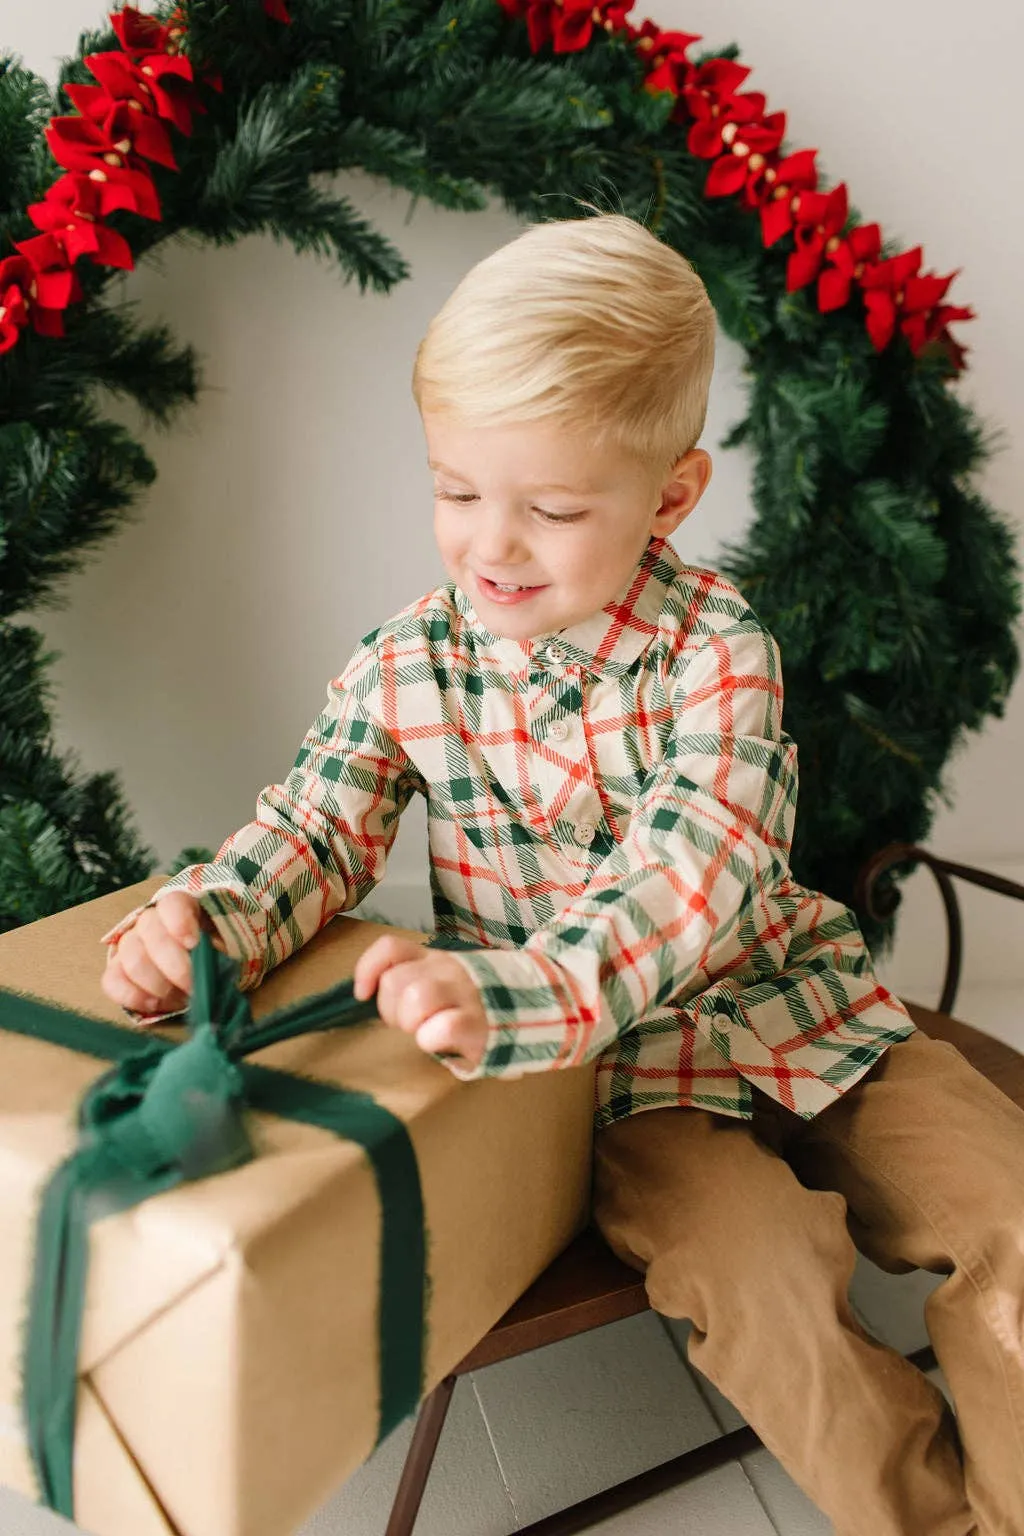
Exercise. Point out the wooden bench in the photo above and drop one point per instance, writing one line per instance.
(587, 1286)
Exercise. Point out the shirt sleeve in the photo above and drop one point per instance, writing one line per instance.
(317, 846)
(711, 831)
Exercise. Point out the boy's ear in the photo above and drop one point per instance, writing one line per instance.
(687, 481)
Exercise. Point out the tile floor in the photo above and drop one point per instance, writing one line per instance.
(532, 1435)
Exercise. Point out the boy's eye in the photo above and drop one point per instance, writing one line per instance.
(462, 498)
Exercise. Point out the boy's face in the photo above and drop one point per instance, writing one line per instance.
(541, 529)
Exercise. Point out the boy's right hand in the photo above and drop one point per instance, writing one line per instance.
(149, 969)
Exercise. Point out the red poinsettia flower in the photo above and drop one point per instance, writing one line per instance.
(712, 100)
(885, 293)
(897, 293)
(80, 144)
(783, 185)
(159, 84)
(848, 260)
(13, 303)
(73, 212)
(568, 24)
(820, 218)
(749, 148)
(140, 34)
(123, 121)
(664, 54)
(930, 328)
(45, 283)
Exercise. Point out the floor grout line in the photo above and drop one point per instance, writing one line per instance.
(693, 1374)
(715, 1412)
(494, 1451)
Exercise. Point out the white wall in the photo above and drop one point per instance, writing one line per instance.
(292, 510)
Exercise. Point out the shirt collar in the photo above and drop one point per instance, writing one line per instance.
(607, 643)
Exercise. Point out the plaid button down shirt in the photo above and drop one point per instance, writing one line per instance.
(610, 811)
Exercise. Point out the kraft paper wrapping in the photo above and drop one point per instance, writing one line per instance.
(228, 1368)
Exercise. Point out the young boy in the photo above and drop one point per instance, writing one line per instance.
(597, 731)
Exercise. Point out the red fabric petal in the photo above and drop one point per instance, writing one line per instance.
(722, 77)
(880, 317)
(705, 140)
(663, 77)
(837, 209)
(810, 207)
(776, 220)
(803, 266)
(899, 268)
(746, 108)
(799, 169)
(76, 143)
(47, 321)
(152, 141)
(93, 101)
(112, 249)
(651, 42)
(140, 187)
(766, 137)
(81, 239)
(139, 33)
(538, 26)
(571, 33)
(926, 291)
(118, 73)
(726, 176)
(915, 329)
(833, 290)
(865, 242)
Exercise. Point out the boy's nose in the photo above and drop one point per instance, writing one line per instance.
(498, 540)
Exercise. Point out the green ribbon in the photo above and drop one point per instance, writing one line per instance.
(169, 1113)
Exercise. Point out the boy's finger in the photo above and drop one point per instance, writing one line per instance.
(170, 957)
(124, 992)
(439, 1035)
(415, 992)
(139, 966)
(179, 913)
(380, 957)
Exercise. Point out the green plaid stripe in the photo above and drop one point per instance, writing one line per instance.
(610, 823)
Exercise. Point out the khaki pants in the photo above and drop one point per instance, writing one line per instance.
(748, 1228)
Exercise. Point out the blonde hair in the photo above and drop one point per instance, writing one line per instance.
(592, 321)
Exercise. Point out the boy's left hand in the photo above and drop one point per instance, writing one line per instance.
(426, 993)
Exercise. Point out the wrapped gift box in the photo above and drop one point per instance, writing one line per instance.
(229, 1371)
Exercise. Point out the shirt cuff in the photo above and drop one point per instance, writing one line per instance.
(534, 1019)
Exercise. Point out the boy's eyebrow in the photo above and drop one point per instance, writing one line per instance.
(545, 485)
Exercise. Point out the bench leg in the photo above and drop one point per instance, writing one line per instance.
(420, 1458)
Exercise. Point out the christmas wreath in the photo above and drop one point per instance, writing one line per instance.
(888, 581)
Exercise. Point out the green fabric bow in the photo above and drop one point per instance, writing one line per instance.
(169, 1113)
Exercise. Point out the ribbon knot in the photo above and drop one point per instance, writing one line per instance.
(167, 1114)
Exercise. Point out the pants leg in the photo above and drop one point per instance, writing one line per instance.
(930, 1158)
(728, 1236)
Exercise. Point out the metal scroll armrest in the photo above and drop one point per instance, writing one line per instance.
(881, 901)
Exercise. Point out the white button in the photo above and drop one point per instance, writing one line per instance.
(552, 652)
(558, 730)
(585, 833)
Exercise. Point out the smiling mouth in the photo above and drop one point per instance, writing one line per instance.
(506, 589)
